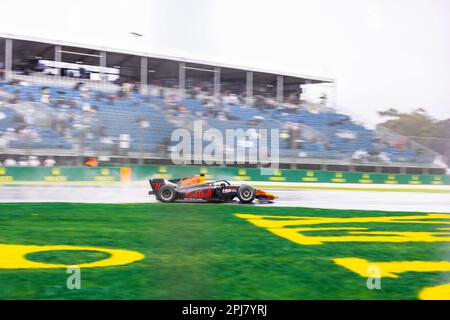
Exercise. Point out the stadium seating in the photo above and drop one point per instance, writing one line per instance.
(335, 136)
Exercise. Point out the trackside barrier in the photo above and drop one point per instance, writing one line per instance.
(58, 174)
(287, 175)
(143, 172)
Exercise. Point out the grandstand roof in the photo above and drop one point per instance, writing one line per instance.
(117, 60)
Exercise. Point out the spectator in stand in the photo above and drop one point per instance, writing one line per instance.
(136, 87)
(23, 162)
(221, 116)
(6, 137)
(10, 162)
(360, 156)
(125, 90)
(91, 162)
(229, 115)
(45, 95)
(171, 106)
(255, 120)
(233, 99)
(12, 97)
(86, 107)
(259, 102)
(2, 70)
(49, 162)
(270, 102)
(294, 131)
(181, 109)
(292, 99)
(33, 161)
(83, 89)
(212, 109)
(339, 122)
(195, 91)
(3, 96)
(384, 158)
(230, 98)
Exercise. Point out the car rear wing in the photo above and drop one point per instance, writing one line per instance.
(156, 184)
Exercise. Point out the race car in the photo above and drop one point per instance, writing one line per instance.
(197, 189)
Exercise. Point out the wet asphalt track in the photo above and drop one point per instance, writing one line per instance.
(336, 199)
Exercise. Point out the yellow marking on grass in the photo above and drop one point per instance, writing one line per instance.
(284, 226)
(441, 292)
(392, 269)
(13, 256)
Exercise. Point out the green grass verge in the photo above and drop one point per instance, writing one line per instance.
(67, 257)
(200, 251)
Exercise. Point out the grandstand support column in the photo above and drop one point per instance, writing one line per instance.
(280, 88)
(216, 81)
(334, 91)
(8, 59)
(249, 87)
(182, 77)
(102, 64)
(144, 74)
(58, 59)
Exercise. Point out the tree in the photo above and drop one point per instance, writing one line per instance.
(419, 126)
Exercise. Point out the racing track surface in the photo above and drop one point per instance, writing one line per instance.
(333, 199)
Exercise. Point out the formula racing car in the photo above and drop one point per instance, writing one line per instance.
(197, 189)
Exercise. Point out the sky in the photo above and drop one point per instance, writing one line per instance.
(382, 53)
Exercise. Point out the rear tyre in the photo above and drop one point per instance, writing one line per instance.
(166, 194)
(246, 194)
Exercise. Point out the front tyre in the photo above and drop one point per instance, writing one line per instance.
(246, 194)
(166, 194)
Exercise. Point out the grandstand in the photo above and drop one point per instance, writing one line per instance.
(73, 101)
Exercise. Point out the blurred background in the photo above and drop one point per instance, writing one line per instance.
(349, 90)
